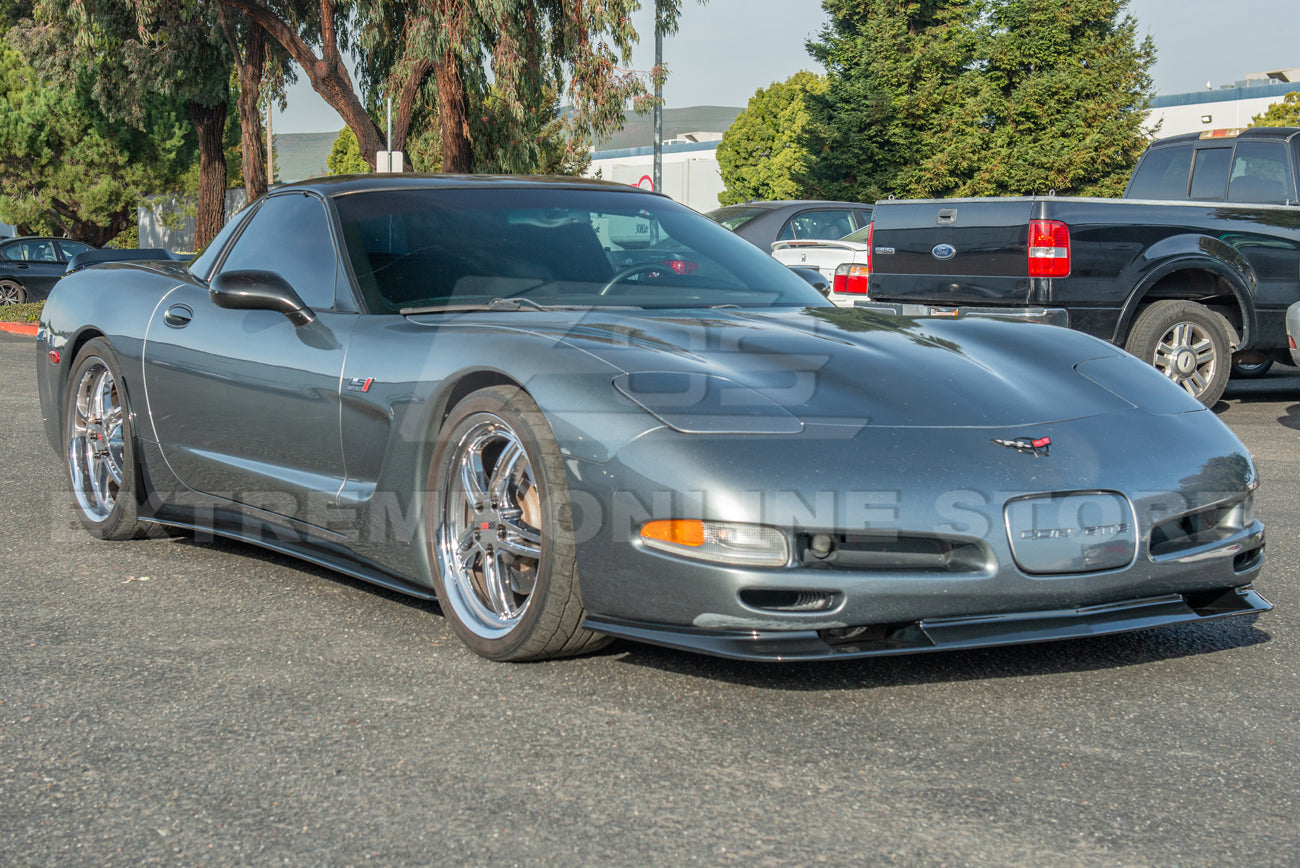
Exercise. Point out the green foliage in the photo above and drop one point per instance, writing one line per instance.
(66, 168)
(504, 66)
(933, 98)
(1280, 114)
(24, 313)
(345, 157)
(762, 155)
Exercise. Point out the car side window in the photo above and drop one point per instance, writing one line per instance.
(1259, 174)
(1162, 174)
(1210, 174)
(72, 248)
(818, 225)
(33, 251)
(290, 235)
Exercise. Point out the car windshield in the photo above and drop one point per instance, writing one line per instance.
(441, 247)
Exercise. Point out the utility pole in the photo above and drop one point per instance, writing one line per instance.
(658, 174)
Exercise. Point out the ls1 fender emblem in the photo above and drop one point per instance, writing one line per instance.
(360, 384)
(943, 252)
(1036, 446)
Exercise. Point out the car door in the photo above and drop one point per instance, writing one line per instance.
(244, 403)
(35, 263)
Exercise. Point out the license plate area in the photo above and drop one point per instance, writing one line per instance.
(1071, 533)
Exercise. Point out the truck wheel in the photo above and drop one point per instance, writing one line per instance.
(1186, 342)
(1251, 372)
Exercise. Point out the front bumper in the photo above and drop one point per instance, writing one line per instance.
(921, 516)
(945, 634)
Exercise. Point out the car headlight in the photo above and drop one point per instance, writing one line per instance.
(722, 542)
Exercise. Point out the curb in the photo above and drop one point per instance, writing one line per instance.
(19, 328)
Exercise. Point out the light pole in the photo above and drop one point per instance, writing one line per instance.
(658, 173)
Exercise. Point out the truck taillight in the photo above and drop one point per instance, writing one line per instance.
(1049, 248)
(851, 278)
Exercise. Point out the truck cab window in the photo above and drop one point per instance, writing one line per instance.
(1162, 174)
(1259, 174)
(1210, 174)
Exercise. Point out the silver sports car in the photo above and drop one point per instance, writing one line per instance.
(574, 410)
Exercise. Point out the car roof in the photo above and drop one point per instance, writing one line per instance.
(776, 204)
(335, 185)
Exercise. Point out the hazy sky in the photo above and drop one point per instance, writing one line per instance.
(729, 48)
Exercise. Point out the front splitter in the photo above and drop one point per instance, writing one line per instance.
(943, 634)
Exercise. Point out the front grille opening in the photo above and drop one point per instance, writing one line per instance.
(892, 553)
(1203, 527)
(769, 600)
(1248, 560)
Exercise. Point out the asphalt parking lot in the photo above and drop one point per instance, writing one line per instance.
(203, 702)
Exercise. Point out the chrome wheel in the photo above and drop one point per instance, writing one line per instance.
(96, 450)
(12, 292)
(489, 544)
(1186, 355)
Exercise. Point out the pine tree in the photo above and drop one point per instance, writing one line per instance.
(979, 97)
(892, 65)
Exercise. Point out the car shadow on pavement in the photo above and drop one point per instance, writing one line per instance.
(1013, 661)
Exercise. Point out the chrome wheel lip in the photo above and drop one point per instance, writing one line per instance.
(488, 552)
(1185, 354)
(96, 449)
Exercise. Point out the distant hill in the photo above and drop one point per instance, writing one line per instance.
(303, 155)
(639, 132)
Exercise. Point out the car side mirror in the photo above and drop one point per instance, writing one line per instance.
(259, 290)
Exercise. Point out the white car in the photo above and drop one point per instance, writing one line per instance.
(846, 263)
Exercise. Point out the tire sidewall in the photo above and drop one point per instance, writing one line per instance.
(122, 521)
(556, 569)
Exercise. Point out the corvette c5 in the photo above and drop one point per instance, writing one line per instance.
(573, 410)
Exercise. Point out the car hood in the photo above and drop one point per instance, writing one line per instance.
(834, 366)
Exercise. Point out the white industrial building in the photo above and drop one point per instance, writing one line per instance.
(1225, 107)
(690, 164)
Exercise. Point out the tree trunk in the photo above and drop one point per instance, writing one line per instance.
(250, 116)
(453, 116)
(327, 74)
(209, 123)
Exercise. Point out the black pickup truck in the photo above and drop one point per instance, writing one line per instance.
(1192, 270)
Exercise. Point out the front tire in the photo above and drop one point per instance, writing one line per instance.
(500, 529)
(12, 292)
(1188, 343)
(100, 445)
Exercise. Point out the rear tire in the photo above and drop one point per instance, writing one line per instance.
(1188, 343)
(500, 531)
(1251, 372)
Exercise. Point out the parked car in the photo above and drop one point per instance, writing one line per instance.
(1193, 270)
(765, 223)
(29, 266)
(486, 390)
